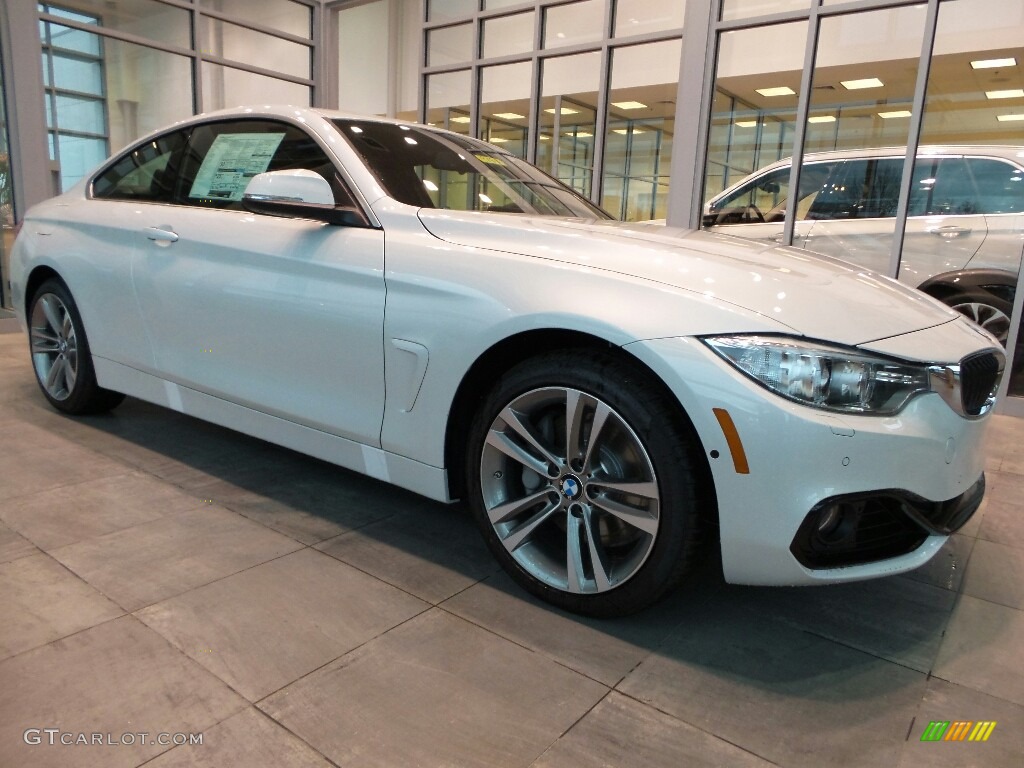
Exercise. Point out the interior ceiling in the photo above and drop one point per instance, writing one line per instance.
(955, 89)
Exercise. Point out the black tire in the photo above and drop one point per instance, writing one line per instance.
(990, 312)
(60, 353)
(644, 442)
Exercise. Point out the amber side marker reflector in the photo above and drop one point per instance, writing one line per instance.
(732, 437)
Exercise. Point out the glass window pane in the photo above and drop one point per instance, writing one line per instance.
(74, 40)
(230, 87)
(81, 115)
(258, 49)
(505, 105)
(743, 9)
(641, 124)
(574, 24)
(636, 17)
(284, 15)
(568, 112)
(443, 10)
(6, 196)
(508, 35)
(448, 100)
(450, 45)
(72, 73)
(78, 156)
(144, 18)
(490, 5)
(754, 106)
(364, 56)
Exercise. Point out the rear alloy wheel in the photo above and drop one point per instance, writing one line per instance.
(60, 353)
(585, 483)
(989, 312)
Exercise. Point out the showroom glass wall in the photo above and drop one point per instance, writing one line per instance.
(586, 89)
(792, 78)
(6, 182)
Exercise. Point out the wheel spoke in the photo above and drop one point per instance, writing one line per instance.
(505, 512)
(512, 419)
(70, 374)
(56, 371)
(52, 314)
(597, 557)
(574, 554)
(601, 413)
(43, 341)
(519, 536)
(637, 518)
(646, 489)
(574, 411)
(514, 451)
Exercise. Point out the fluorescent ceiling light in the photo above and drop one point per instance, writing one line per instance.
(355, 129)
(563, 111)
(509, 116)
(822, 119)
(410, 140)
(498, 140)
(1013, 93)
(624, 131)
(1009, 118)
(993, 63)
(580, 135)
(746, 123)
(545, 138)
(783, 90)
(629, 105)
(897, 113)
(460, 119)
(430, 185)
(867, 82)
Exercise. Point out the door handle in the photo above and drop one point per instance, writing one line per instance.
(950, 233)
(161, 235)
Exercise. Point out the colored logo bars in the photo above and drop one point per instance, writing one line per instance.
(958, 730)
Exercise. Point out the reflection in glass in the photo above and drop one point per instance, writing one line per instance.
(230, 87)
(636, 17)
(282, 15)
(745, 9)
(450, 45)
(6, 196)
(144, 18)
(443, 10)
(967, 212)
(638, 145)
(754, 105)
(573, 24)
(364, 56)
(448, 100)
(505, 105)
(565, 141)
(257, 49)
(508, 35)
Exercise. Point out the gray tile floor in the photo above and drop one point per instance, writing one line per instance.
(161, 575)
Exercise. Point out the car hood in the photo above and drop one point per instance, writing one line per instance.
(815, 295)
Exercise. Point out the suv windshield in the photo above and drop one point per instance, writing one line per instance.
(431, 169)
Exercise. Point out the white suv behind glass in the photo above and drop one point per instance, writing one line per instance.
(965, 225)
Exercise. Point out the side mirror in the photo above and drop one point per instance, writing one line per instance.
(300, 194)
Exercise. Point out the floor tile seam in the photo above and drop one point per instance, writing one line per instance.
(972, 689)
(705, 731)
(427, 608)
(127, 470)
(525, 647)
(64, 637)
(866, 652)
(354, 529)
(572, 725)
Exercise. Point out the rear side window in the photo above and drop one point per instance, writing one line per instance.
(147, 173)
(999, 185)
(861, 189)
(221, 159)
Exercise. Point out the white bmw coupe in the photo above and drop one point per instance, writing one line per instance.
(429, 310)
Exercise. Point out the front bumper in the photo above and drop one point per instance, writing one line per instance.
(800, 458)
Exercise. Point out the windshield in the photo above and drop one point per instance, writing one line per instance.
(431, 169)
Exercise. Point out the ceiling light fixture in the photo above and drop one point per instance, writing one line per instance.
(993, 63)
(1013, 93)
(497, 140)
(822, 119)
(629, 105)
(782, 90)
(1009, 118)
(509, 115)
(563, 111)
(746, 123)
(856, 85)
(896, 113)
(460, 119)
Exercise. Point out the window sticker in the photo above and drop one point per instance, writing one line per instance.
(231, 162)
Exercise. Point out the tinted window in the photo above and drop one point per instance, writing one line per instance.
(861, 189)
(999, 185)
(942, 186)
(221, 159)
(769, 195)
(146, 173)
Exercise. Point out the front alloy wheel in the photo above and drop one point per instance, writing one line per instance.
(587, 481)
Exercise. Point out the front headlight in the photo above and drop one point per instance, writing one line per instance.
(819, 375)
